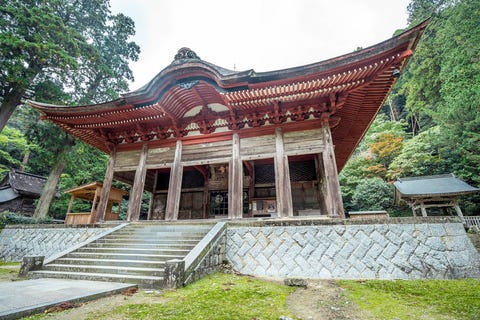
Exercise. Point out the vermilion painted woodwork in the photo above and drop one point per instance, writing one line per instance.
(194, 96)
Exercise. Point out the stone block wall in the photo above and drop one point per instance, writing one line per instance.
(19, 241)
(402, 250)
(212, 261)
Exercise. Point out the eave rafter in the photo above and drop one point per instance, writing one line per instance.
(191, 99)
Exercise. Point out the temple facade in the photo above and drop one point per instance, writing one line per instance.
(208, 142)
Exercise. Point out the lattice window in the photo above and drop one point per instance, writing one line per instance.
(264, 173)
(302, 171)
(192, 179)
(299, 171)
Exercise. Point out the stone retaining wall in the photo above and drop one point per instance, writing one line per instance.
(19, 241)
(211, 263)
(354, 251)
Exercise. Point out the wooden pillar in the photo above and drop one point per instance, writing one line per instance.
(458, 211)
(235, 181)
(322, 191)
(152, 198)
(422, 209)
(70, 204)
(107, 185)
(282, 178)
(334, 202)
(175, 185)
(135, 201)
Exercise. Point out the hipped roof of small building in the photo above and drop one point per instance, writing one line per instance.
(87, 191)
(362, 78)
(433, 186)
(24, 183)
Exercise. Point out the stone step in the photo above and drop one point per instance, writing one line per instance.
(162, 235)
(123, 256)
(156, 272)
(142, 281)
(112, 262)
(150, 238)
(168, 227)
(153, 241)
(159, 251)
(141, 245)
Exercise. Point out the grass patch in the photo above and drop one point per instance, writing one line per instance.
(5, 263)
(219, 296)
(9, 270)
(417, 299)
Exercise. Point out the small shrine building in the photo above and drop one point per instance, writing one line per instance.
(208, 142)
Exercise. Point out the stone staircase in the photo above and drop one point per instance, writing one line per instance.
(134, 254)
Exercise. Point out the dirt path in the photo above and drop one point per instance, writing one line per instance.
(323, 300)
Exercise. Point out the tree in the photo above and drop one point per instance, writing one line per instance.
(36, 37)
(13, 147)
(97, 79)
(373, 194)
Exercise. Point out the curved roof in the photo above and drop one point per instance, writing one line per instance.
(433, 186)
(193, 98)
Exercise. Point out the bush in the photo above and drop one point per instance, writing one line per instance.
(373, 194)
(7, 217)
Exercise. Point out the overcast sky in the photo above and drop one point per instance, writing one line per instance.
(263, 35)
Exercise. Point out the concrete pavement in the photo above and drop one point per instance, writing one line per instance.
(22, 298)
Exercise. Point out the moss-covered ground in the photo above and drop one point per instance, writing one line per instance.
(418, 299)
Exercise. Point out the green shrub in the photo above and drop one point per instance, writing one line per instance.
(7, 217)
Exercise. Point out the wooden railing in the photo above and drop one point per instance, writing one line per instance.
(472, 221)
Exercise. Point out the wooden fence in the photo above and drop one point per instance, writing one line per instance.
(472, 221)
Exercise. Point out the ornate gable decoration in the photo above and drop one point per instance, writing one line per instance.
(185, 54)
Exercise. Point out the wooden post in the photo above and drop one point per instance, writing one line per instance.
(282, 178)
(175, 185)
(458, 211)
(334, 202)
(235, 181)
(70, 204)
(322, 189)
(135, 201)
(422, 209)
(107, 185)
(152, 198)
(93, 212)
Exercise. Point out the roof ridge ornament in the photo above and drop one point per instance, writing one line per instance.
(185, 54)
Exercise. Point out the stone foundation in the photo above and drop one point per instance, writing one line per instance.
(36, 240)
(354, 250)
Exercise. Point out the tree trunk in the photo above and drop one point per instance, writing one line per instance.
(49, 190)
(10, 102)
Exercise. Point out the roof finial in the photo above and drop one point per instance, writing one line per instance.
(185, 53)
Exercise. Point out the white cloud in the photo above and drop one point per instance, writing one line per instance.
(256, 34)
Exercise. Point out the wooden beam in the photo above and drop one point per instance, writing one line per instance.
(107, 185)
(135, 201)
(334, 202)
(282, 178)
(175, 185)
(235, 181)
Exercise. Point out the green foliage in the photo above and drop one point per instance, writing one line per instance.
(7, 217)
(373, 194)
(419, 156)
(13, 147)
(417, 299)
(219, 296)
(437, 100)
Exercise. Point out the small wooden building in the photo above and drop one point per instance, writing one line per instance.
(19, 190)
(437, 192)
(91, 192)
(208, 142)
